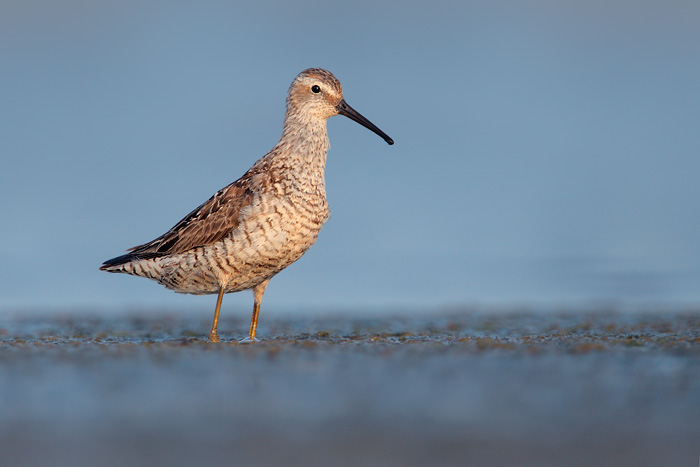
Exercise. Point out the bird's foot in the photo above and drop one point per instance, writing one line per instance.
(214, 337)
(248, 340)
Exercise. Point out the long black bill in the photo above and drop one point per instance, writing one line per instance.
(352, 114)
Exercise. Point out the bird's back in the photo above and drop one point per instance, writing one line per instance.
(244, 234)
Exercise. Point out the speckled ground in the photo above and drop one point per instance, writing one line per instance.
(458, 388)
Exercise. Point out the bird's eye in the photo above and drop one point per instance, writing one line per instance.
(315, 88)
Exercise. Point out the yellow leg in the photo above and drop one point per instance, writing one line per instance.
(213, 335)
(258, 292)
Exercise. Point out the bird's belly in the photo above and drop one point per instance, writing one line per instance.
(264, 243)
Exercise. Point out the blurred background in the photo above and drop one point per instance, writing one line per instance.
(547, 152)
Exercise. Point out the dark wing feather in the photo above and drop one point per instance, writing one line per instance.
(207, 224)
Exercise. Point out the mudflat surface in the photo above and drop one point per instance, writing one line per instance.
(459, 388)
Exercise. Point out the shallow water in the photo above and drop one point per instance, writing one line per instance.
(450, 389)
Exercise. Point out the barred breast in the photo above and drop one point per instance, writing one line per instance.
(273, 233)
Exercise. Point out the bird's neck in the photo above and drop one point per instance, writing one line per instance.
(303, 145)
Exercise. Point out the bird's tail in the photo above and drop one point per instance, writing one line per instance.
(130, 263)
(117, 264)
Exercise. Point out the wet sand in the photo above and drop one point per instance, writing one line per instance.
(459, 388)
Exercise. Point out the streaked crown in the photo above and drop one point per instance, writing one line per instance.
(315, 92)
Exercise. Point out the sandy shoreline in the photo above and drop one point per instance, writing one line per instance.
(486, 389)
